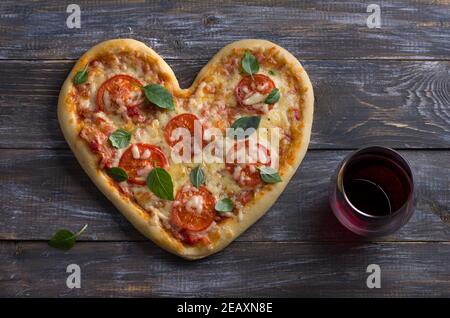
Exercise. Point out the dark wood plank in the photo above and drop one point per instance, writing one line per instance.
(193, 29)
(242, 270)
(398, 104)
(44, 190)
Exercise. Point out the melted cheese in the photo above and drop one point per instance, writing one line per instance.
(86, 104)
(262, 107)
(180, 176)
(237, 172)
(144, 171)
(195, 204)
(135, 152)
(146, 154)
(255, 98)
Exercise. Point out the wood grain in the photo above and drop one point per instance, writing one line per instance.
(44, 190)
(397, 104)
(242, 270)
(197, 29)
(387, 86)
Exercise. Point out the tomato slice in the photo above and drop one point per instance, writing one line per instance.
(193, 209)
(149, 157)
(247, 174)
(181, 121)
(249, 85)
(119, 90)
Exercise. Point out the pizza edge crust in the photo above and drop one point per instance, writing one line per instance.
(148, 226)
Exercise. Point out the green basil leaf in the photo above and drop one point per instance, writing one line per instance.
(269, 175)
(120, 138)
(246, 123)
(81, 76)
(64, 239)
(249, 63)
(273, 96)
(159, 96)
(160, 183)
(117, 174)
(224, 205)
(271, 72)
(197, 177)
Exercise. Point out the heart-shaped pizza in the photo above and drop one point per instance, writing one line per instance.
(191, 168)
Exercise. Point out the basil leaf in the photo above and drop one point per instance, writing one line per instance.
(271, 72)
(249, 63)
(81, 76)
(64, 239)
(159, 96)
(117, 174)
(160, 183)
(273, 96)
(224, 205)
(120, 138)
(246, 123)
(197, 177)
(269, 175)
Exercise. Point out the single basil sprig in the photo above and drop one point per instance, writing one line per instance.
(64, 239)
(159, 96)
(120, 138)
(269, 175)
(250, 64)
(271, 72)
(224, 205)
(197, 177)
(117, 174)
(246, 123)
(160, 183)
(273, 96)
(81, 76)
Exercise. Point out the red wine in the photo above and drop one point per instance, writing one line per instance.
(372, 191)
(368, 197)
(376, 185)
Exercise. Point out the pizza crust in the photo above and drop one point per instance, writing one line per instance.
(140, 219)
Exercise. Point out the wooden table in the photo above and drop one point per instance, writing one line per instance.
(388, 86)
